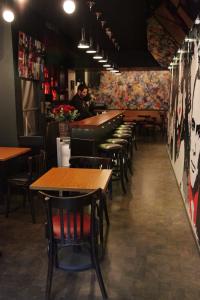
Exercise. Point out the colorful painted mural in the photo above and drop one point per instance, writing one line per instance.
(184, 129)
(161, 45)
(134, 90)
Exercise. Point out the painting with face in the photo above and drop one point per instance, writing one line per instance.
(184, 127)
(194, 168)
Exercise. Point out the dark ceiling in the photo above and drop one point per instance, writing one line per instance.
(127, 20)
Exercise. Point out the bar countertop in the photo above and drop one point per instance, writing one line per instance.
(96, 121)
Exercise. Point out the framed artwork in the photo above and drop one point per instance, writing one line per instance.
(30, 57)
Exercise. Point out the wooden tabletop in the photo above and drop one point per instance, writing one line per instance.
(7, 153)
(96, 121)
(73, 179)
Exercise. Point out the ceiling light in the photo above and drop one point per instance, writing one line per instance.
(91, 4)
(197, 21)
(107, 66)
(97, 55)
(189, 40)
(69, 6)
(83, 44)
(8, 15)
(103, 59)
(91, 49)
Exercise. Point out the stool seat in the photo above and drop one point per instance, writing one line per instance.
(123, 131)
(129, 123)
(117, 141)
(122, 135)
(126, 126)
(108, 146)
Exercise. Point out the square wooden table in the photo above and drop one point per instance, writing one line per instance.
(7, 153)
(73, 179)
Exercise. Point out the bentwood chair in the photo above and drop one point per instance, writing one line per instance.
(73, 235)
(35, 167)
(94, 163)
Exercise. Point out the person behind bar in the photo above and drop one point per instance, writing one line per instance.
(79, 103)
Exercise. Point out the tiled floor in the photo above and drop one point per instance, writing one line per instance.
(151, 251)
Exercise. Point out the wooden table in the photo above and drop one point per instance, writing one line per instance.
(7, 153)
(73, 179)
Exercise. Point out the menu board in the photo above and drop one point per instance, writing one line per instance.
(30, 57)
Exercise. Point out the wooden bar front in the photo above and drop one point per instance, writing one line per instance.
(88, 133)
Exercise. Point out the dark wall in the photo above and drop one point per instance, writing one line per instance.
(8, 127)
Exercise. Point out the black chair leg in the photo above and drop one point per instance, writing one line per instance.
(135, 144)
(50, 273)
(130, 166)
(110, 189)
(25, 198)
(122, 175)
(126, 168)
(31, 201)
(99, 275)
(105, 209)
(7, 208)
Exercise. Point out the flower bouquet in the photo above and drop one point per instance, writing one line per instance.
(64, 112)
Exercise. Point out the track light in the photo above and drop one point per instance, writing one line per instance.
(91, 49)
(103, 59)
(97, 56)
(106, 65)
(69, 6)
(83, 44)
(197, 21)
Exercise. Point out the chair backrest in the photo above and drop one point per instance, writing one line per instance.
(90, 162)
(37, 165)
(66, 221)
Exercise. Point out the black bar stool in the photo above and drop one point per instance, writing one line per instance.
(124, 143)
(116, 153)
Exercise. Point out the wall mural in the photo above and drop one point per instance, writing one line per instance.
(161, 45)
(184, 129)
(134, 90)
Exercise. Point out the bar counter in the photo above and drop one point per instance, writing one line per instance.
(88, 133)
(99, 120)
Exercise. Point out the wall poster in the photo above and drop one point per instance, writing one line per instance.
(30, 57)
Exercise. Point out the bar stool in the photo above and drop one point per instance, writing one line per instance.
(133, 131)
(124, 143)
(127, 136)
(116, 153)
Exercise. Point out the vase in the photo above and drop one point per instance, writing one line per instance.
(64, 129)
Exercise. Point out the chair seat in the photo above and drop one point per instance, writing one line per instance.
(21, 178)
(108, 146)
(56, 225)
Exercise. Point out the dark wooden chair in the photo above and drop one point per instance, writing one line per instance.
(73, 235)
(35, 167)
(94, 163)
